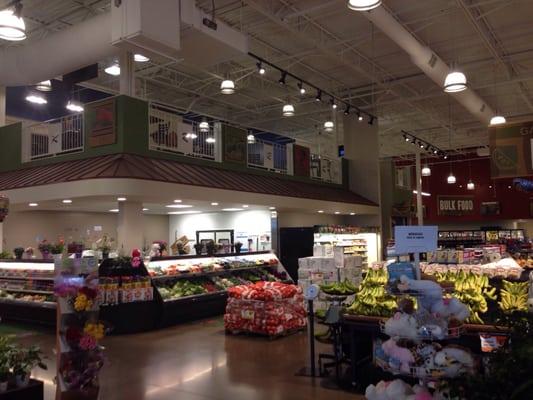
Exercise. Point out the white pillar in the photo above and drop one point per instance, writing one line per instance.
(127, 73)
(130, 226)
(419, 210)
(1, 237)
(2, 105)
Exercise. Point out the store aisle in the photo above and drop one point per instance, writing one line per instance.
(199, 362)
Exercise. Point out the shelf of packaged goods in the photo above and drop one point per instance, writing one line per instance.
(43, 304)
(198, 297)
(28, 278)
(189, 275)
(36, 291)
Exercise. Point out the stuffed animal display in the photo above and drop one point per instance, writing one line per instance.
(450, 307)
(402, 325)
(428, 291)
(402, 354)
(398, 390)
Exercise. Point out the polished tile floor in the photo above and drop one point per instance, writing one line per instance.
(198, 361)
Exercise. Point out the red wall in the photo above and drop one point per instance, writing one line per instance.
(514, 204)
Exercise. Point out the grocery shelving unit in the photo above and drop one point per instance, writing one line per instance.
(194, 287)
(27, 291)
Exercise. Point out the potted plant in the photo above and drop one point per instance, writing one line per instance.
(45, 248)
(238, 246)
(6, 349)
(5, 255)
(210, 246)
(19, 252)
(23, 361)
(104, 244)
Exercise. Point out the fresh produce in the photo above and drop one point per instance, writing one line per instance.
(184, 288)
(372, 298)
(514, 296)
(343, 288)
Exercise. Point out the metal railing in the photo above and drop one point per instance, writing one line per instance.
(267, 155)
(326, 169)
(169, 132)
(53, 138)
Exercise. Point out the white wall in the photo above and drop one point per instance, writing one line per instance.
(244, 223)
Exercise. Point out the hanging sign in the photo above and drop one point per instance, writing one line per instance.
(268, 155)
(415, 239)
(510, 150)
(455, 205)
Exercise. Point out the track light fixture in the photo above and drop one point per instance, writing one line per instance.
(260, 68)
(283, 78)
(370, 121)
(318, 95)
(347, 110)
(423, 145)
(333, 104)
(359, 116)
(301, 87)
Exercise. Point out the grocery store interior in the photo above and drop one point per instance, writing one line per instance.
(251, 199)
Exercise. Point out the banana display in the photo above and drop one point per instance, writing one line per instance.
(372, 298)
(472, 290)
(514, 296)
(344, 288)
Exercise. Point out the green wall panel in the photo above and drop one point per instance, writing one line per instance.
(10, 147)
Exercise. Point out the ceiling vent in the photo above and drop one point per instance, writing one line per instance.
(432, 60)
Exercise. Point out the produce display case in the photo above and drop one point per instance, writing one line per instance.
(193, 287)
(27, 291)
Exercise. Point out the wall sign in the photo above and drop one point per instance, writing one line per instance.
(415, 239)
(455, 205)
(510, 150)
(100, 120)
(235, 145)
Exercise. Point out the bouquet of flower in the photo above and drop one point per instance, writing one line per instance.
(104, 244)
(84, 300)
(45, 248)
(86, 339)
(58, 248)
(79, 370)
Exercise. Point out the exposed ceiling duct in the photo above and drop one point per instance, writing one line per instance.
(429, 62)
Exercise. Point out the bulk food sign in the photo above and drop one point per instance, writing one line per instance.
(455, 205)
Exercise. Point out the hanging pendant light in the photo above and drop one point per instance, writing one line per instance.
(363, 5)
(426, 171)
(328, 126)
(251, 139)
(74, 106)
(451, 179)
(36, 99)
(12, 26)
(44, 86)
(210, 140)
(288, 110)
(227, 86)
(470, 185)
(455, 82)
(497, 120)
(113, 69)
(204, 126)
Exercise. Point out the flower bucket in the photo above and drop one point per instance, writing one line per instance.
(22, 380)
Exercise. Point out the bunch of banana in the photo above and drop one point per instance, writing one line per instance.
(376, 277)
(343, 288)
(372, 298)
(514, 296)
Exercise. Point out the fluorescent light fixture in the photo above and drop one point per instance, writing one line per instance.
(214, 204)
(455, 82)
(191, 135)
(146, 209)
(12, 26)
(426, 194)
(210, 139)
(183, 212)
(140, 58)
(36, 99)
(451, 179)
(178, 206)
(67, 201)
(33, 204)
(114, 210)
(470, 185)
(288, 110)
(121, 199)
(352, 213)
(233, 209)
(321, 211)
(177, 201)
(497, 120)
(204, 126)
(271, 208)
(113, 69)
(44, 86)
(245, 206)
(363, 5)
(426, 171)
(337, 212)
(227, 87)
(74, 106)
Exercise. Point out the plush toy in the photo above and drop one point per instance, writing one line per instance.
(420, 393)
(402, 354)
(450, 307)
(455, 360)
(402, 325)
(394, 390)
(155, 251)
(429, 291)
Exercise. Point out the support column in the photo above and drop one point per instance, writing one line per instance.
(2, 106)
(1, 237)
(419, 210)
(130, 226)
(127, 73)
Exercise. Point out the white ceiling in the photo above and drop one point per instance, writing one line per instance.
(338, 50)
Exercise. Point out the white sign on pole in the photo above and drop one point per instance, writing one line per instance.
(415, 239)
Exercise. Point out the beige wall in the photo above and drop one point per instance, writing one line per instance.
(299, 220)
(28, 227)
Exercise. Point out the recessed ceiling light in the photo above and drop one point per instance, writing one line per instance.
(337, 212)
(183, 212)
(352, 213)
(67, 201)
(140, 58)
(177, 201)
(178, 206)
(146, 209)
(121, 199)
(232, 209)
(33, 204)
(36, 99)
(115, 210)
(214, 204)
(271, 208)
(113, 70)
(321, 211)
(245, 206)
